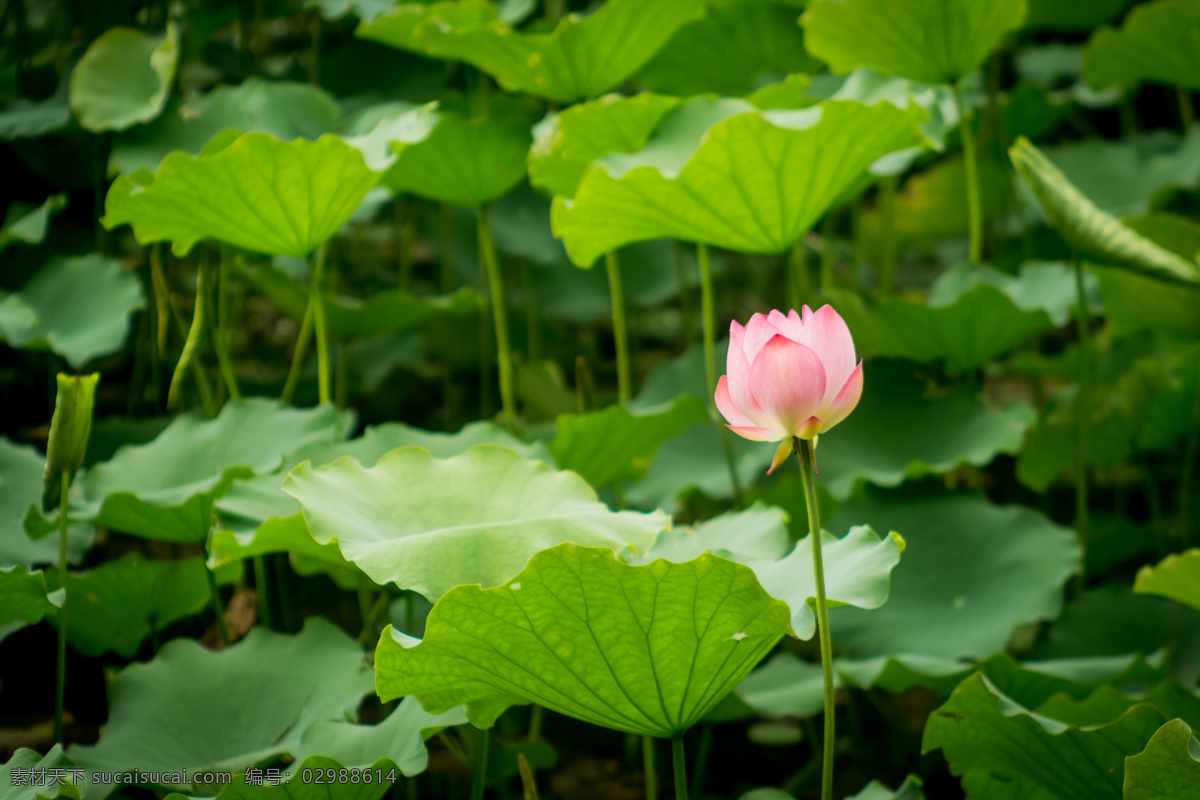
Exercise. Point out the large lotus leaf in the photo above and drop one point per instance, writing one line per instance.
(430, 524)
(565, 144)
(1127, 177)
(1169, 766)
(399, 739)
(1107, 703)
(123, 78)
(935, 41)
(1047, 286)
(1111, 620)
(858, 567)
(384, 312)
(728, 50)
(616, 444)
(116, 605)
(1088, 229)
(281, 198)
(283, 109)
(643, 649)
(466, 162)
(1136, 302)
(28, 224)
(952, 595)
(22, 468)
(1155, 44)
(1177, 577)
(173, 713)
(78, 307)
(980, 729)
(257, 517)
(886, 441)
(24, 597)
(725, 173)
(23, 119)
(909, 790)
(73, 784)
(581, 58)
(373, 129)
(165, 489)
(757, 533)
(966, 331)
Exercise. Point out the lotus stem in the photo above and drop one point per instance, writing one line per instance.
(1187, 114)
(299, 352)
(648, 767)
(680, 767)
(710, 366)
(189, 358)
(974, 212)
(803, 276)
(487, 254)
(220, 329)
(318, 305)
(533, 328)
(702, 753)
(804, 450)
(481, 759)
(536, 716)
(620, 334)
(1083, 406)
(216, 597)
(261, 585)
(60, 684)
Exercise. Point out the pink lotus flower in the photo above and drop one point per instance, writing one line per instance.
(789, 377)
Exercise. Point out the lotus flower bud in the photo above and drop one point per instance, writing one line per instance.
(789, 376)
(69, 431)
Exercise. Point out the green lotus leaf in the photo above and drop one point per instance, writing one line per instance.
(974, 548)
(581, 58)
(399, 739)
(25, 596)
(384, 312)
(1130, 177)
(1168, 767)
(1107, 703)
(1047, 286)
(757, 533)
(980, 729)
(21, 489)
(78, 307)
(373, 129)
(1177, 577)
(150, 490)
(857, 573)
(910, 789)
(728, 50)
(566, 143)
(934, 41)
(1088, 229)
(725, 173)
(123, 78)
(1135, 302)
(465, 162)
(966, 330)
(430, 524)
(642, 649)
(280, 198)
(26, 224)
(72, 785)
(1067, 15)
(113, 607)
(1154, 44)
(256, 516)
(886, 440)
(23, 119)
(337, 9)
(283, 109)
(616, 444)
(173, 713)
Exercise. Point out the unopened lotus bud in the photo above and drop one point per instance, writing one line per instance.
(69, 431)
